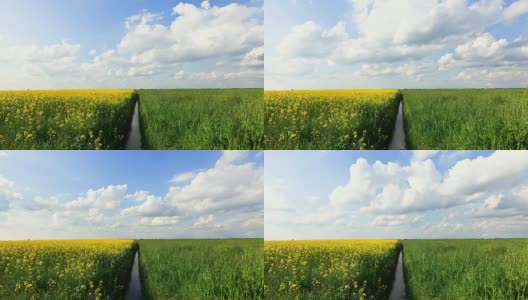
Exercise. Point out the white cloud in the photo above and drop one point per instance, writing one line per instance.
(150, 52)
(204, 222)
(183, 177)
(391, 30)
(396, 43)
(228, 189)
(196, 33)
(223, 188)
(151, 206)
(44, 203)
(101, 199)
(254, 59)
(516, 9)
(390, 188)
(8, 193)
(139, 196)
(486, 59)
(421, 155)
(160, 221)
(230, 157)
(396, 220)
(408, 196)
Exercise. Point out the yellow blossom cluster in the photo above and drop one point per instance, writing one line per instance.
(74, 269)
(65, 119)
(329, 119)
(329, 269)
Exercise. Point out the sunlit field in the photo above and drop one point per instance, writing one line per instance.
(466, 119)
(202, 269)
(84, 269)
(466, 269)
(330, 269)
(215, 119)
(65, 119)
(330, 119)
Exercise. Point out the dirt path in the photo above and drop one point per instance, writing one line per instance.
(398, 135)
(134, 136)
(398, 286)
(134, 286)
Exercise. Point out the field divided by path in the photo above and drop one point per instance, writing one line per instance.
(330, 269)
(65, 119)
(330, 119)
(466, 269)
(202, 269)
(84, 269)
(491, 119)
(215, 119)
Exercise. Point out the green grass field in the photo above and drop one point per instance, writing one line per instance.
(202, 269)
(229, 119)
(466, 269)
(466, 119)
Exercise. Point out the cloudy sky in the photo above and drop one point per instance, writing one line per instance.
(396, 43)
(131, 44)
(395, 194)
(152, 194)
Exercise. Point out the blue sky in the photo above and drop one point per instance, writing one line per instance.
(166, 194)
(81, 31)
(396, 44)
(395, 194)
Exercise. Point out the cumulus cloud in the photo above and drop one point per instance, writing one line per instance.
(423, 195)
(204, 222)
(388, 39)
(516, 9)
(183, 177)
(195, 39)
(160, 221)
(101, 199)
(44, 203)
(391, 188)
(8, 193)
(391, 30)
(486, 59)
(230, 188)
(226, 187)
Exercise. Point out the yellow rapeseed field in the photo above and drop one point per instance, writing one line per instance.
(76, 269)
(330, 119)
(329, 269)
(65, 119)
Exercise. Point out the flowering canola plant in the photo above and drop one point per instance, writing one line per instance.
(73, 269)
(65, 119)
(329, 269)
(330, 119)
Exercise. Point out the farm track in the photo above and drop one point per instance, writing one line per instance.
(398, 135)
(134, 136)
(398, 286)
(134, 285)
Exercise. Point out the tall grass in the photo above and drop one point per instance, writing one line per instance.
(466, 269)
(202, 269)
(466, 119)
(202, 119)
